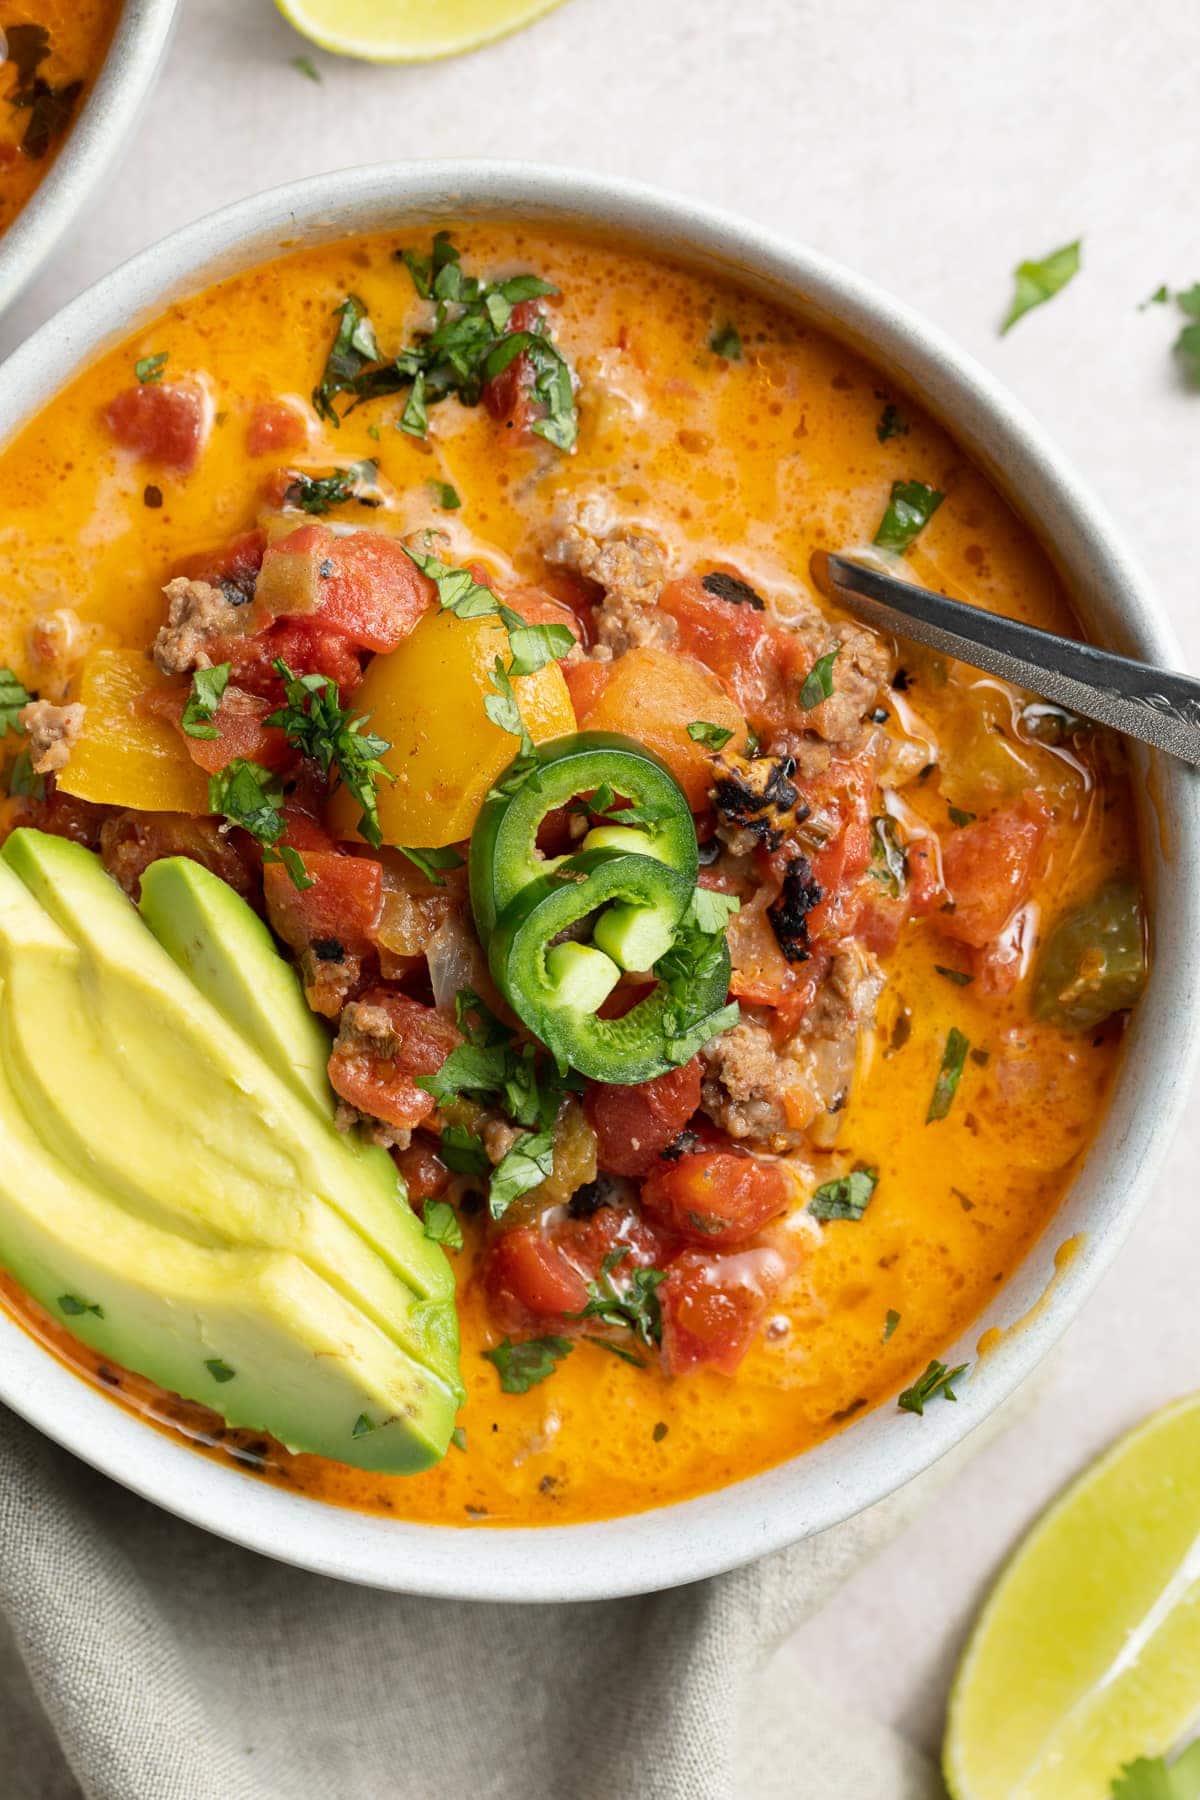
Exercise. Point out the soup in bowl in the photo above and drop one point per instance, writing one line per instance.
(519, 1015)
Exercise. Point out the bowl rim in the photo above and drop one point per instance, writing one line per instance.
(109, 113)
(664, 1547)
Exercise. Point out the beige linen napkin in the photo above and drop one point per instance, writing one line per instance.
(141, 1659)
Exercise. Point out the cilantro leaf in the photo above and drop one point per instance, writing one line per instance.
(304, 65)
(441, 1224)
(207, 692)
(936, 1380)
(149, 369)
(1039, 281)
(959, 977)
(250, 796)
(355, 348)
(522, 1365)
(446, 495)
(818, 683)
(220, 1371)
(710, 910)
(726, 343)
(463, 1152)
(890, 1323)
(13, 696)
(432, 862)
(74, 1307)
(1149, 1778)
(523, 1167)
(958, 817)
(847, 1197)
(892, 423)
(953, 1061)
(890, 864)
(713, 737)
(909, 510)
(533, 646)
(318, 494)
(316, 723)
(631, 1306)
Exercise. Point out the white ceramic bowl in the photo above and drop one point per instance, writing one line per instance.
(885, 1448)
(109, 114)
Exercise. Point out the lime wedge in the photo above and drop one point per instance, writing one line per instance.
(408, 30)
(1087, 1653)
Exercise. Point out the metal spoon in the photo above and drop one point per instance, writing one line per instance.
(1158, 706)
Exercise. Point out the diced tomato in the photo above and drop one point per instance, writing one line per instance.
(234, 565)
(633, 1125)
(341, 907)
(131, 841)
(363, 585)
(275, 426)
(720, 1198)
(425, 1174)
(305, 645)
(713, 1306)
(509, 397)
(586, 681)
(61, 815)
(376, 1076)
(989, 868)
(534, 1273)
(161, 422)
(577, 593)
(724, 636)
(238, 722)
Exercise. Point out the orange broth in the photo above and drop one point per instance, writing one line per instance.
(759, 461)
(31, 134)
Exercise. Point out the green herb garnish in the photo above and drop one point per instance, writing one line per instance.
(149, 369)
(304, 65)
(1187, 344)
(318, 494)
(355, 349)
(959, 977)
(13, 696)
(909, 510)
(523, 1167)
(73, 1306)
(362, 1425)
(521, 1366)
(713, 737)
(726, 342)
(220, 1371)
(818, 683)
(960, 818)
(433, 861)
(1037, 282)
(207, 691)
(953, 1059)
(888, 858)
(848, 1197)
(463, 1152)
(317, 724)
(441, 1224)
(1150, 1778)
(890, 1323)
(458, 1437)
(632, 1307)
(892, 423)
(936, 1380)
(446, 495)
(250, 796)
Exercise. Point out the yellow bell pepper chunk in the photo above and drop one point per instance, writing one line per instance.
(125, 756)
(426, 698)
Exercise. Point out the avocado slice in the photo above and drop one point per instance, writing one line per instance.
(252, 1333)
(110, 1048)
(224, 948)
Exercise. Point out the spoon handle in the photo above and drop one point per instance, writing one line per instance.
(1157, 706)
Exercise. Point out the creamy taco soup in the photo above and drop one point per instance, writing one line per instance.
(432, 773)
(50, 54)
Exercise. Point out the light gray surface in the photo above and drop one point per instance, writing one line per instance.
(930, 146)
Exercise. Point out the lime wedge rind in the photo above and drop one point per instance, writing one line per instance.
(1087, 1652)
(408, 31)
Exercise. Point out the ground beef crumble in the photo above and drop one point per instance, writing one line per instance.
(199, 615)
(51, 732)
(628, 563)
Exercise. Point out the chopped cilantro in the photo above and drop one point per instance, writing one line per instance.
(492, 1067)
(462, 1151)
(13, 696)
(888, 858)
(892, 423)
(355, 349)
(22, 782)
(818, 683)
(362, 1425)
(149, 369)
(432, 862)
(220, 1371)
(523, 1167)
(73, 1306)
(446, 495)
(414, 419)
(207, 691)
(909, 510)
(250, 796)
(521, 1366)
(1187, 344)
(936, 1380)
(633, 1306)
(890, 1323)
(1039, 281)
(314, 720)
(959, 817)
(953, 1058)
(726, 343)
(441, 1224)
(713, 737)
(304, 65)
(848, 1197)
(959, 977)
(1150, 1778)
(1159, 297)
(320, 493)
(617, 1350)
(458, 1437)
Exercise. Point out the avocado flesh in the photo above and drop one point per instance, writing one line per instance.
(226, 951)
(307, 1367)
(109, 1047)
